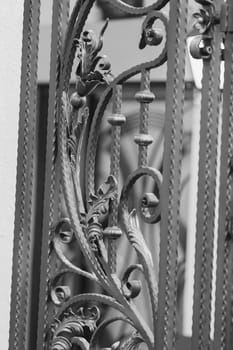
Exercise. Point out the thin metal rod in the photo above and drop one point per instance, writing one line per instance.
(224, 282)
(116, 121)
(24, 216)
(170, 193)
(144, 97)
(206, 198)
(60, 16)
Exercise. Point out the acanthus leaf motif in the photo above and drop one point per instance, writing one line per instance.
(136, 238)
(99, 202)
(92, 69)
(66, 331)
(99, 206)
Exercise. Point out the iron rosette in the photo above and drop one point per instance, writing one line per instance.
(78, 321)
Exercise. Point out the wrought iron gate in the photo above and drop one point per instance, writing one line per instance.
(61, 212)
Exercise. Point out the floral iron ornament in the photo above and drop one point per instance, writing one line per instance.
(93, 69)
(86, 221)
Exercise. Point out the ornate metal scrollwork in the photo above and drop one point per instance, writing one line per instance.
(93, 69)
(86, 221)
(150, 36)
(72, 328)
(205, 19)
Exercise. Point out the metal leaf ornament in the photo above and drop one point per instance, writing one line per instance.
(137, 240)
(99, 202)
(92, 69)
(71, 328)
(205, 18)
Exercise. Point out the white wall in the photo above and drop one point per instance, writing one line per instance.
(11, 20)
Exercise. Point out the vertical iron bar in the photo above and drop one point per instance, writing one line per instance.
(206, 196)
(224, 280)
(170, 193)
(116, 121)
(59, 21)
(21, 297)
(144, 97)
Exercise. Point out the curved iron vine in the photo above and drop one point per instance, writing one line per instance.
(76, 323)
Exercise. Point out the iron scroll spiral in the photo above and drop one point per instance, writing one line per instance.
(107, 94)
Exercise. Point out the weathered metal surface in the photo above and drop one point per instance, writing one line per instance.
(90, 221)
(207, 184)
(51, 199)
(116, 120)
(21, 298)
(88, 227)
(223, 309)
(170, 192)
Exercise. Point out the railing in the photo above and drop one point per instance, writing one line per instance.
(83, 220)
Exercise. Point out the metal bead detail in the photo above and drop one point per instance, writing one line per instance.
(77, 101)
(116, 119)
(113, 232)
(145, 96)
(143, 139)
